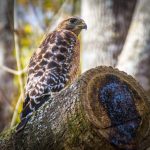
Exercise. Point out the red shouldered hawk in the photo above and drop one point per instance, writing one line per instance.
(53, 65)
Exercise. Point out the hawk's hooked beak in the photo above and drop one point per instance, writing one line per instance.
(84, 25)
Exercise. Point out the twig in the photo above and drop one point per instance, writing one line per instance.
(15, 114)
(41, 25)
(56, 17)
(19, 66)
(17, 54)
(15, 72)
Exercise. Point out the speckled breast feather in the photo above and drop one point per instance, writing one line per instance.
(53, 65)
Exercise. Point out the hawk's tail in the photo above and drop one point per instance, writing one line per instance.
(28, 110)
(22, 124)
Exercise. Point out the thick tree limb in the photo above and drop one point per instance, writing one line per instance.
(103, 106)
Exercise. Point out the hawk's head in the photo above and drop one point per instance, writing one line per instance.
(74, 24)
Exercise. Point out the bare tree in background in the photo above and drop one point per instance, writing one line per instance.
(135, 57)
(7, 59)
(108, 23)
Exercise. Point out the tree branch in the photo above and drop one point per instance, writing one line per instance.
(103, 109)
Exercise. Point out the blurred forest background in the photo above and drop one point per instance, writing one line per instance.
(118, 35)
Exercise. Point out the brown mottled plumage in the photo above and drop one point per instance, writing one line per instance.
(53, 65)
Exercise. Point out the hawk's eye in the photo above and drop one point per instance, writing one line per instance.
(73, 20)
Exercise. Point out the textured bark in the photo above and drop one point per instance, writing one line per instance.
(103, 106)
(6, 58)
(108, 23)
(135, 57)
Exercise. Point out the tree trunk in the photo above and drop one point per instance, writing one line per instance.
(135, 57)
(104, 109)
(6, 58)
(108, 22)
